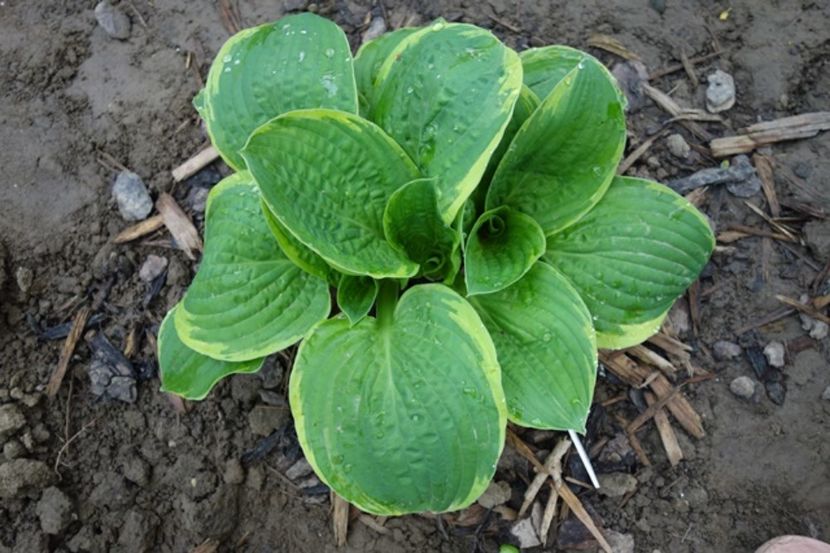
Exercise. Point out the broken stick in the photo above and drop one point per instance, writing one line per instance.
(78, 325)
(199, 161)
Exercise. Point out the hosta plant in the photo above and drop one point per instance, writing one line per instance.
(460, 204)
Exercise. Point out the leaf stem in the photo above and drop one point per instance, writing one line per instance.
(387, 299)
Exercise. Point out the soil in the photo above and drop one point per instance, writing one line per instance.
(75, 104)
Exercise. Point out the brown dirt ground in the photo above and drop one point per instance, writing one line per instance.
(141, 478)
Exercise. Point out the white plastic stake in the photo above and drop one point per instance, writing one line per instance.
(586, 461)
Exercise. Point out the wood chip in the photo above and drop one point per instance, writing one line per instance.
(632, 158)
(668, 104)
(763, 166)
(138, 230)
(68, 349)
(795, 127)
(179, 225)
(736, 232)
(579, 511)
(667, 435)
(777, 226)
(373, 524)
(524, 450)
(611, 44)
(652, 358)
(806, 309)
(821, 302)
(199, 161)
(556, 467)
(689, 68)
(635, 375)
(765, 320)
(553, 459)
(341, 519)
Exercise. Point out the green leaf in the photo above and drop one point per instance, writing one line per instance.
(631, 257)
(296, 251)
(404, 413)
(413, 223)
(327, 176)
(563, 158)
(503, 245)
(445, 94)
(356, 295)
(525, 106)
(299, 61)
(544, 67)
(546, 347)
(187, 373)
(247, 300)
(368, 61)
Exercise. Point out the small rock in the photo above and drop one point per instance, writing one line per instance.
(376, 28)
(132, 197)
(11, 420)
(825, 395)
(112, 20)
(774, 352)
(630, 76)
(298, 470)
(739, 177)
(725, 350)
(111, 375)
(40, 433)
(234, 474)
(13, 449)
(265, 419)
(152, 267)
(197, 198)
(524, 532)
(620, 543)
(138, 532)
(678, 146)
(743, 386)
(24, 478)
(616, 484)
(54, 511)
(24, 277)
(497, 493)
(720, 94)
(819, 331)
(136, 470)
(817, 236)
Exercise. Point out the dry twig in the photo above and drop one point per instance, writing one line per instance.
(196, 163)
(770, 132)
(68, 349)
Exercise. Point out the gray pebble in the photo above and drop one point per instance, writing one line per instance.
(774, 352)
(24, 478)
(497, 493)
(132, 197)
(678, 146)
(234, 473)
(13, 449)
(825, 395)
(720, 94)
(724, 350)
(112, 20)
(265, 419)
(743, 387)
(11, 420)
(152, 267)
(24, 277)
(376, 28)
(616, 484)
(54, 511)
(298, 470)
(137, 470)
